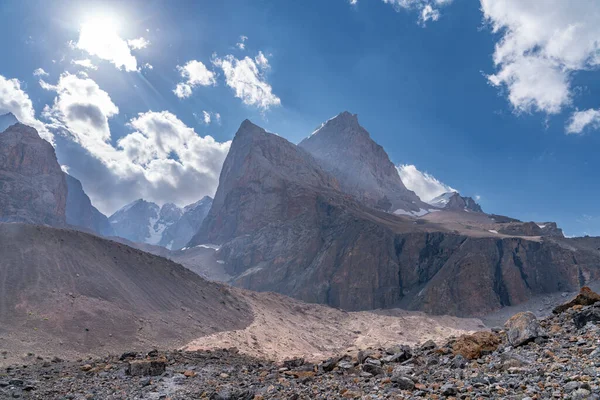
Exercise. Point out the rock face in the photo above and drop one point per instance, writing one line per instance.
(80, 211)
(178, 234)
(362, 167)
(284, 226)
(32, 185)
(7, 120)
(453, 201)
(136, 221)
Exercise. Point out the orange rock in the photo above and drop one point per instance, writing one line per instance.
(586, 297)
(472, 346)
(189, 373)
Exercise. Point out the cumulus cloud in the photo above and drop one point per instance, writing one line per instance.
(15, 100)
(40, 72)
(139, 43)
(195, 74)
(85, 63)
(104, 42)
(423, 184)
(208, 117)
(247, 78)
(542, 44)
(428, 9)
(242, 43)
(581, 120)
(161, 160)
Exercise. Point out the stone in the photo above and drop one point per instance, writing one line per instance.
(86, 367)
(428, 345)
(373, 369)
(403, 382)
(187, 373)
(146, 367)
(590, 314)
(523, 328)
(449, 389)
(586, 297)
(474, 346)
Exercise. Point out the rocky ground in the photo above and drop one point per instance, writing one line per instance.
(557, 357)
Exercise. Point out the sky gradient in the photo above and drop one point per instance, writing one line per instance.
(498, 100)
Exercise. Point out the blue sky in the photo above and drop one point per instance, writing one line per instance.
(474, 95)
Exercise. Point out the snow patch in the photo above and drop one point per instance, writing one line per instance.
(493, 231)
(419, 213)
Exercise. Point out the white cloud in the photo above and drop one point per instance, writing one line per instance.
(99, 39)
(148, 66)
(581, 119)
(40, 72)
(242, 43)
(14, 99)
(247, 78)
(85, 63)
(423, 184)
(162, 160)
(206, 116)
(195, 74)
(428, 9)
(139, 43)
(542, 44)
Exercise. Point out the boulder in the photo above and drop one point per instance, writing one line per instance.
(586, 297)
(474, 346)
(523, 328)
(590, 314)
(146, 367)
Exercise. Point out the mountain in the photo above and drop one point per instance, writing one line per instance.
(282, 224)
(136, 222)
(68, 293)
(453, 201)
(32, 185)
(362, 167)
(168, 226)
(178, 234)
(7, 120)
(81, 213)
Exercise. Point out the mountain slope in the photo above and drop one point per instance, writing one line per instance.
(136, 222)
(345, 150)
(283, 225)
(65, 290)
(32, 185)
(81, 213)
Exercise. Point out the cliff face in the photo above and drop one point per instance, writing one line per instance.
(81, 213)
(285, 226)
(32, 185)
(345, 150)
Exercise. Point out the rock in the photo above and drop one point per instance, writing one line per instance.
(449, 389)
(130, 354)
(523, 328)
(586, 297)
(459, 362)
(403, 382)
(428, 345)
(146, 367)
(474, 346)
(329, 364)
(590, 314)
(293, 363)
(187, 373)
(363, 355)
(86, 367)
(372, 369)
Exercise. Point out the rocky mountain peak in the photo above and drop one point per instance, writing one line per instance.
(453, 201)
(346, 150)
(7, 120)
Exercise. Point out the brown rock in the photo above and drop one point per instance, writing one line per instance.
(189, 373)
(474, 346)
(586, 297)
(86, 367)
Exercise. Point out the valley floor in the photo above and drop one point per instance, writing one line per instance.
(558, 359)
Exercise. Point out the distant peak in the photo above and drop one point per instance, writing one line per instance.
(344, 122)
